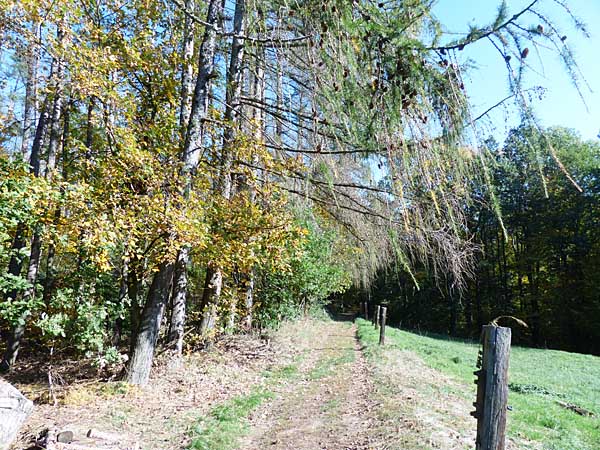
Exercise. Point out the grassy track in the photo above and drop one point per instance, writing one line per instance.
(222, 428)
(539, 379)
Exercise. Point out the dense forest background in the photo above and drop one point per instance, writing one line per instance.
(173, 171)
(538, 261)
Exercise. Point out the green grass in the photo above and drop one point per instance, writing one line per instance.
(226, 423)
(328, 365)
(282, 373)
(538, 379)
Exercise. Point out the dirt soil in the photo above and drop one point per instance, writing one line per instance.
(327, 404)
(327, 395)
(158, 416)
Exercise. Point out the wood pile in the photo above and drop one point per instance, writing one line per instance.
(52, 439)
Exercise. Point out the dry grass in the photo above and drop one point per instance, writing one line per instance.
(158, 416)
(324, 402)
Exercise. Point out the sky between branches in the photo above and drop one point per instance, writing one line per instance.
(561, 104)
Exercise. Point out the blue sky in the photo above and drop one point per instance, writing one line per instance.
(487, 84)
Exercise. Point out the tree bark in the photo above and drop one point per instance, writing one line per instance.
(138, 371)
(179, 302)
(187, 70)
(192, 116)
(180, 282)
(30, 104)
(89, 128)
(249, 301)
(17, 333)
(50, 276)
(257, 91)
(206, 67)
(135, 313)
(212, 291)
(224, 186)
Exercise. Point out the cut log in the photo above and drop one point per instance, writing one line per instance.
(102, 435)
(14, 410)
(74, 446)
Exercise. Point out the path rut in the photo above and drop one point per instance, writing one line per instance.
(326, 404)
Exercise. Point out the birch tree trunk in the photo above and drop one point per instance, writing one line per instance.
(179, 301)
(257, 91)
(187, 69)
(224, 185)
(142, 351)
(180, 282)
(50, 277)
(30, 104)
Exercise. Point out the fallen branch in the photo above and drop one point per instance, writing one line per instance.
(576, 409)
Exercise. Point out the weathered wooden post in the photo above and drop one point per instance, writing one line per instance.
(492, 388)
(376, 316)
(382, 326)
(366, 310)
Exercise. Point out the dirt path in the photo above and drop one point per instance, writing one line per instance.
(324, 402)
(326, 396)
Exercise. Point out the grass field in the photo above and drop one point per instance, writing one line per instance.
(539, 380)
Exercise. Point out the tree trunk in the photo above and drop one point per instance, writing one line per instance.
(89, 128)
(232, 314)
(233, 97)
(249, 301)
(135, 313)
(29, 107)
(180, 282)
(206, 67)
(50, 276)
(138, 371)
(453, 307)
(17, 333)
(194, 117)
(257, 90)
(212, 292)
(179, 302)
(55, 128)
(16, 261)
(187, 70)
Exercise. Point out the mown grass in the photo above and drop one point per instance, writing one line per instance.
(538, 380)
(222, 428)
(328, 365)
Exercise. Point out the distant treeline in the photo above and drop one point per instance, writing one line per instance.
(539, 257)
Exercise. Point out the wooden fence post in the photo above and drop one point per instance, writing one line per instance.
(366, 310)
(382, 326)
(377, 311)
(492, 388)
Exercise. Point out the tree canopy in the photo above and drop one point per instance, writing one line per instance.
(231, 162)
